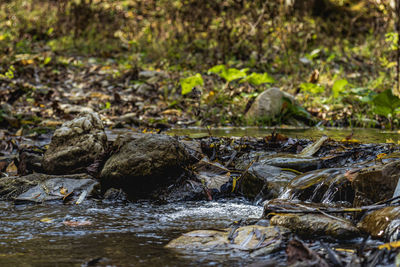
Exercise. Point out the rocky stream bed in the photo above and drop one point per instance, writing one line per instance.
(91, 197)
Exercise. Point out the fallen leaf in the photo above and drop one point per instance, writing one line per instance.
(11, 168)
(47, 220)
(63, 191)
(389, 246)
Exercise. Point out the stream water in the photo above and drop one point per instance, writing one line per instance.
(134, 234)
(125, 234)
(363, 135)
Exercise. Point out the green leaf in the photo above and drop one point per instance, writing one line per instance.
(46, 60)
(386, 103)
(230, 74)
(233, 74)
(338, 87)
(189, 83)
(258, 78)
(218, 69)
(312, 88)
(108, 105)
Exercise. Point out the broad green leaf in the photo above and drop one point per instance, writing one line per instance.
(312, 88)
(218, 69)
(339, 87)
(258, 78)
(189, 83)
(386, 103)
(233, 74)
(230, 74)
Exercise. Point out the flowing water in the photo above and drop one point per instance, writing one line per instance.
(126, 234)
(134, 234)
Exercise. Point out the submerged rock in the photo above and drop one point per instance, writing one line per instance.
(41, 187)
(376, 183)
(269, 104)
(254, 239)
(383, 223)
(145, 164)
(75, 145)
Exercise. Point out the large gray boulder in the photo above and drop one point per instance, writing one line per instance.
(269, 104)
(143, 165)
(75, 145)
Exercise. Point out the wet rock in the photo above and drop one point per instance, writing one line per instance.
(29, 162)
(41, 187)
(212, 174)
(376, 183)
(308, 224)
(59, 189)
(264, 181)
(75, 145)
(383, 223)
(145, 164)
(269, 104)
(188, 191)
(115, 194)
(292, 161)
(254, 239)
(315, 225)
(326, 186)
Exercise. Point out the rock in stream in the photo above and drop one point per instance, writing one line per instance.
(145, 164)
(75, 145)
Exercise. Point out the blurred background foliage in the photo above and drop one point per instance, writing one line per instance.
(351, 43)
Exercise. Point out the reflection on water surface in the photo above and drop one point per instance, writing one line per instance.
(126, 234)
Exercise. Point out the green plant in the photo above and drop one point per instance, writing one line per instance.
(228, 75)
(339, 87)
(258, 78)
(189, 83)
(312, 88)
(232, 74)
(9, 74)
(386, 104)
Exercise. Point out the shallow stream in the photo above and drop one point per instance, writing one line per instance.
(134, 234)
(125, 234)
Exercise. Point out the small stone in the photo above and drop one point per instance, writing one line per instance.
(269, 104)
